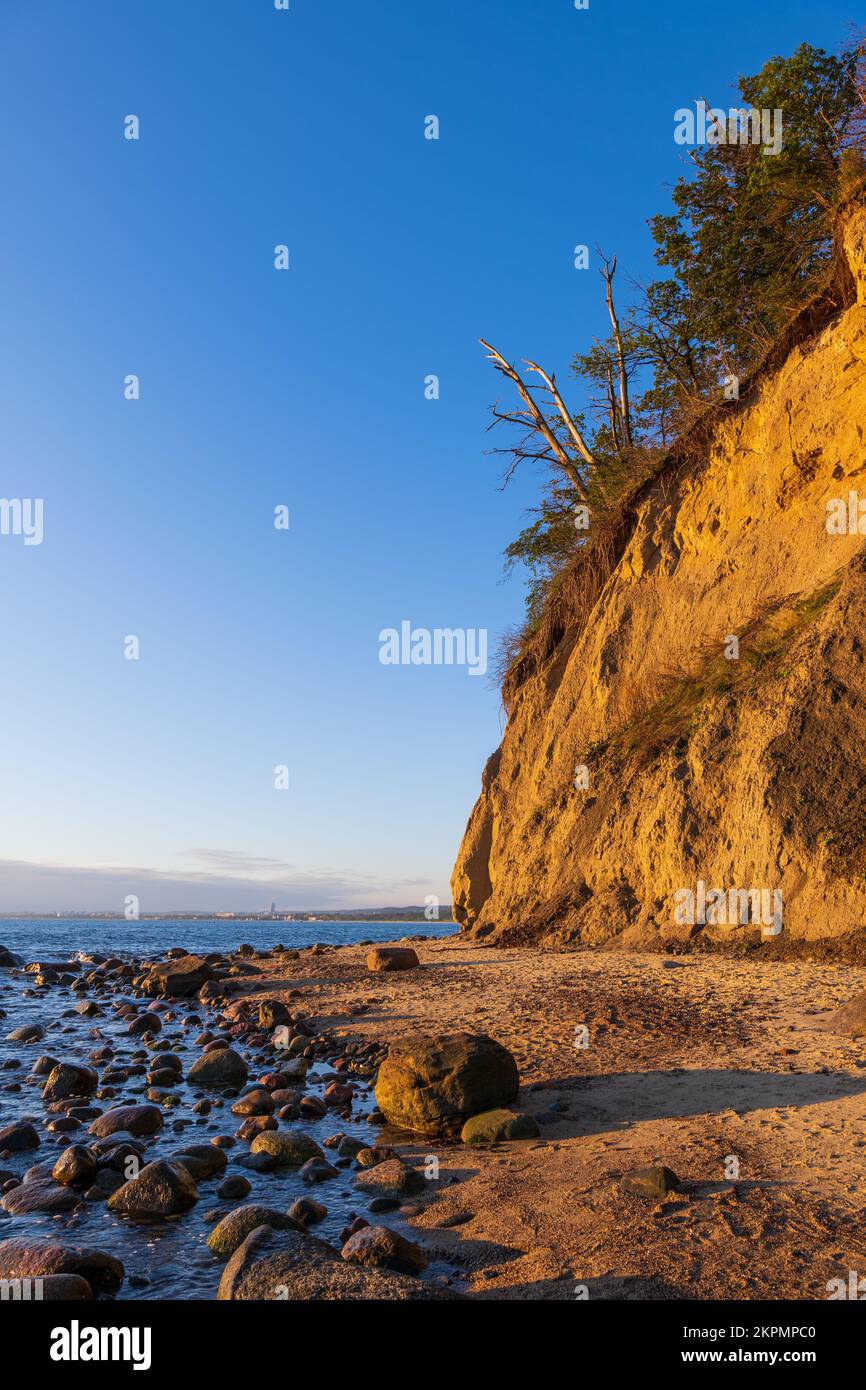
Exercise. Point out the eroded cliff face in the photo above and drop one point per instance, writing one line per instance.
(763, 784)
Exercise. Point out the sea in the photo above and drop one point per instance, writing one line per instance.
(60, 937)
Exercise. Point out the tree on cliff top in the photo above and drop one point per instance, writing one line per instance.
(750, 237)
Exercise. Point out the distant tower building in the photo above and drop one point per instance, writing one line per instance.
(273, 909)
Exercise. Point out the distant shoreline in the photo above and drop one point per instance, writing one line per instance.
(291, 918)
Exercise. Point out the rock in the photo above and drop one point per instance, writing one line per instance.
(41, 1195)
(258, 1101)
(391, 1179)
(220, 1068)
(850, 1019)
(131, 1119)
(162, 1189)
(338, 1094)
(28, 1032)
(43, 1065)
(8, 959)
(201, 1161)
(35, 1259)
(18, 1136)
(69, 1079)
(273, 1014)
(75, 1165)
(234, 1228)
(653, 1183)
(256, 1124)
(377, 1247)
(433, 1084)
(289, 1148)
(318, 1170)
(258, 1163)
(306, 1212)
(145, 1023)
(299, 1267)
(177, 978)
(493, 1125)
(391, 958)
(64, 1288)
(234, 1187)
(107, 1181)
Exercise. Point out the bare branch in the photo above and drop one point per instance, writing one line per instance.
(625, 417)
(538, 421)
(550, 383)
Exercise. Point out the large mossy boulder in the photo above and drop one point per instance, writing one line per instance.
(434, 1084)
(177, 978)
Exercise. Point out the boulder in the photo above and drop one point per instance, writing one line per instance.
(222, 1067)
(37, 1259)
(18, 1137)
(76, 1164)
(131, 1119)
(202, 1161)
(434, 1084)
(163, 1188)
(69, 1079)
(234, 1228)
(391, 958)
(64, 1288)
(289, 1148)
(178, 978)
(391, 1179)
(28, 1032)
(299, 1267)
(258, 1101)
(272, 1014)
(8, 959)
(851, 1018)
(378, 1247)
(41, 1195)
(492, 1125)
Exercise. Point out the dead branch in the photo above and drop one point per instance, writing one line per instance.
(537, 421)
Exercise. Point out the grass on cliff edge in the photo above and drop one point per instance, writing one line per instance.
(675, 713)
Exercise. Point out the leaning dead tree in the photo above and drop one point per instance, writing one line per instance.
(540, 440)
(550, 433)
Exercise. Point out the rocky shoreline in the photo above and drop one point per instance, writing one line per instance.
(434, 1119)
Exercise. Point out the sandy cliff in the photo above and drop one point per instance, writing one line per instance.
(740, 774)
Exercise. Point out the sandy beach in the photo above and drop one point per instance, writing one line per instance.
(720, 1069)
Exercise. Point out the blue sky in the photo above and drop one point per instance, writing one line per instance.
(304, 388)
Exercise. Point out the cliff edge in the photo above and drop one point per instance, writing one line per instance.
(686, 729)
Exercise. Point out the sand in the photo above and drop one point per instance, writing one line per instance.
(721, 1069)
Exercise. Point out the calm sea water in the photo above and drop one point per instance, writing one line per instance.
(48, 937)
(166, 1259)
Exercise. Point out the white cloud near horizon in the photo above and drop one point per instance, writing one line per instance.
(48, 888)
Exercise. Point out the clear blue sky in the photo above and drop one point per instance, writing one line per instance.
(304, 387)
